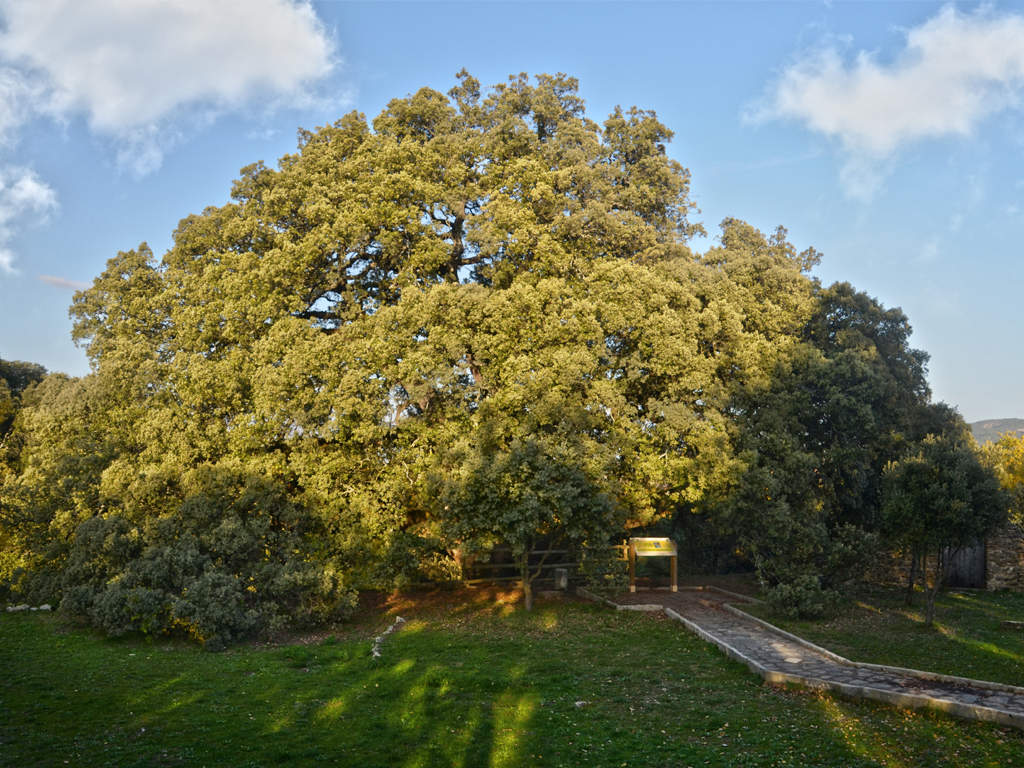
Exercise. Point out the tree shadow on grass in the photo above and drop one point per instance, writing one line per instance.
(334, 704)
(573, 686)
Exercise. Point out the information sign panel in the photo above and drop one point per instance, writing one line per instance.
(651, 547)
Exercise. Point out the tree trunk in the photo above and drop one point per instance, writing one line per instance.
(460, 565)
(941, 566)
(929, 606)
(909, 598)
(524, 574)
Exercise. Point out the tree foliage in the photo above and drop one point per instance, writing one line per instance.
(15, 378)
(476, 316)
(530, 494)
(1006, 455)
(939, 498)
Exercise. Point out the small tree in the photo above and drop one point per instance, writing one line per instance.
(937, 499)
(529, 493)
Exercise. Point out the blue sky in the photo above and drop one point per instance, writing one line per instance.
(887, 135)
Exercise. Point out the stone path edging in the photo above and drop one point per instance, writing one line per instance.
(584, 592)
(923, 674)
(967, 707)
(788, 635)
(905, 700)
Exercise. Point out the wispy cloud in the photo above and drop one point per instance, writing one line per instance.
(20, 96)
(954, 70)
(22, 196)
(262, 134)
(63, 282)
(930, 252)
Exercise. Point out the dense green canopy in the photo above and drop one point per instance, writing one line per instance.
(1007, 455)
(475, 318)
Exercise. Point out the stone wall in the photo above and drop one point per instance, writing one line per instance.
(891, 569)
(1004, 562)
(1004, 568)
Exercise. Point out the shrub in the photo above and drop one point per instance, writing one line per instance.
(227, 557)
(803, 597)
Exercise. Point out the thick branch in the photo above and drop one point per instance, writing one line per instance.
(316, 314)
(477, 373)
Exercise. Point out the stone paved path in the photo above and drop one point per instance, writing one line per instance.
(778, 658)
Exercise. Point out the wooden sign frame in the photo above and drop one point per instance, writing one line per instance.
(649, 546)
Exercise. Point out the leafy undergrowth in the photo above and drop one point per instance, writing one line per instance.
(469, 681)
(966, 640)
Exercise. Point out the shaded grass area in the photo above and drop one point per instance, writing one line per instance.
(966, 639)
(740, 583)
(466, 683)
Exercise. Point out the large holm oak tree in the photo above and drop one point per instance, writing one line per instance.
(476, 317)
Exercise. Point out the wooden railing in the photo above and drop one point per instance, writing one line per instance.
(507, 570)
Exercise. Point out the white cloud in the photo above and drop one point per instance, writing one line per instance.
(131, 66)
(22, 195)
(128, 63)
(955, 70)
(142, 73)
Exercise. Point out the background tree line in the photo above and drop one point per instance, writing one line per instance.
(474, 319)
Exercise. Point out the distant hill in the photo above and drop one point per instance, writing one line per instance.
(991, 429)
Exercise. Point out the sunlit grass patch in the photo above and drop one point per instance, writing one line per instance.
(966, 639)
(567, 685)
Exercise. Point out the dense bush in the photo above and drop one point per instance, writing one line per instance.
(803, 596)
(215, 553)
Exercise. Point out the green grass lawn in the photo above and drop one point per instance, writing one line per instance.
(466, 683)
(966, 639)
